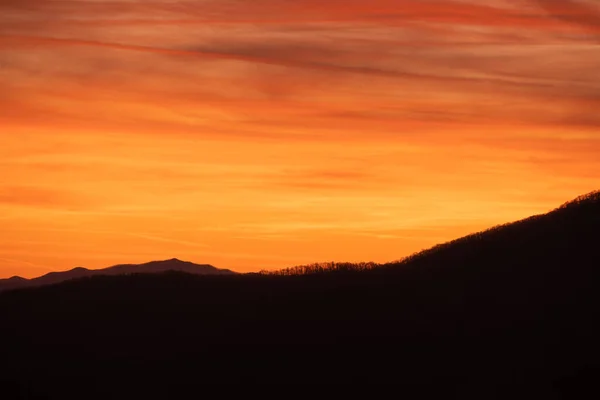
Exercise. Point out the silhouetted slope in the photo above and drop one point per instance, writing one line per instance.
(164, 266)
(147, 268)
(57, 277)
(515, 305)
(571, 226)
(12, 283)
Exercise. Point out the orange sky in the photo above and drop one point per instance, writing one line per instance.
(268, 133)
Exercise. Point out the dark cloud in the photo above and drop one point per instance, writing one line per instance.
(580, 13)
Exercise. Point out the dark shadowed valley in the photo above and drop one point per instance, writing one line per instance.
(511, 307)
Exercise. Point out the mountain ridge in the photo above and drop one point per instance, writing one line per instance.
(574, 206)
(512, 305)
(158, 266)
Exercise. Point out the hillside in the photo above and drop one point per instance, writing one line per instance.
(152, 267)
(513, 306)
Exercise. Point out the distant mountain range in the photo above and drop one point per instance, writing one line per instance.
(152, 267)
(505, 241)
(482, 316)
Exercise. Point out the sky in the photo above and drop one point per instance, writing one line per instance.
(270, 133)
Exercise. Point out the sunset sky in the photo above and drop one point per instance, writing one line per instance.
(261, 134)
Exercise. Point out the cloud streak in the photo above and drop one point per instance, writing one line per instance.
(349, 128)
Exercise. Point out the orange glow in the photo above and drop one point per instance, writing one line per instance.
(263, 134)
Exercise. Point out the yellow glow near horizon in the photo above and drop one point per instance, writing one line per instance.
(279, 133)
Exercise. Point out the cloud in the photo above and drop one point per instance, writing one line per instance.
(584, 14)
(41, 198)
(184, 122)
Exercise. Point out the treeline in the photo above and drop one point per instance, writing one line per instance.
(494, 237)
(323, 267)
(509, 306)
(525, 230)
(589, 198)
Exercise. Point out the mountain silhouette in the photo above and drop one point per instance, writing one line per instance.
(13, 283)
(512, 307)
(152, 267)
(533, 245)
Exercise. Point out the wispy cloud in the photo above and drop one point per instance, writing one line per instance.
(159, 126)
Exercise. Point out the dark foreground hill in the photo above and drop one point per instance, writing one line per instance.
(512, 311)
(152, 267)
